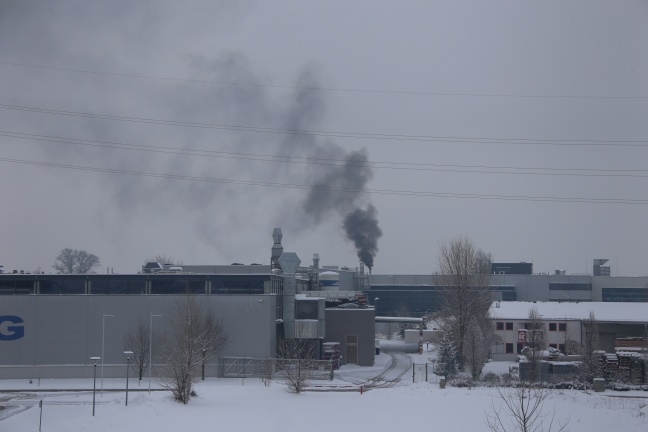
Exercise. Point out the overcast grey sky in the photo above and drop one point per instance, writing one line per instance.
(478, 93)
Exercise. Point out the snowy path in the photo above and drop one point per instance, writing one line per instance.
(390, 373)
(391, 366)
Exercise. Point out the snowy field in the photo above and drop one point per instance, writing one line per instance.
(247, 405)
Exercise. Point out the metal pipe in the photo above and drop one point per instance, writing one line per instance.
(94, 383)
(150, 365)
(128, 354)
(103, 344)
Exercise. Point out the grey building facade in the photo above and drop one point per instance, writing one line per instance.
(55, 335)
(356, 331)
(419, 295)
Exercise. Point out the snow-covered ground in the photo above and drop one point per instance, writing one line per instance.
(247, 405)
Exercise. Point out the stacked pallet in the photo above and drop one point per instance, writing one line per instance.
(630, 344)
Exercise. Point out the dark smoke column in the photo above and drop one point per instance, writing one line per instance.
(338, 186)
(362, 228)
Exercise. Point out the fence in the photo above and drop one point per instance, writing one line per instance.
(426, 372)
(246, 367)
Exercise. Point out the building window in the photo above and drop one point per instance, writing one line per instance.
(509, 326)
(562, 327)
(625, 294)
(553, 346)
(520, 346)
(499, 325)
(552, 326)
(570, 287)
(561, 347)
(509, 348)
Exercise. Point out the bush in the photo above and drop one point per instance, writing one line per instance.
(461, 382)
(491, 378)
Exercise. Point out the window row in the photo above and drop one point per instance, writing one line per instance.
(501, 325)
(557, 327)
(625, 295)
(559, 286)
(553, 326)
(138, 286)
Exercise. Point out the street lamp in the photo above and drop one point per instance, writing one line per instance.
(203, 364)
(94, 383)
(128, 356)
(103, 344)
(150, 366)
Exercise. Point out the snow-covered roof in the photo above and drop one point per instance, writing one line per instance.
(604, 311)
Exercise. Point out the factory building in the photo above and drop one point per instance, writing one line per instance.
(50, 325)
(419, 294)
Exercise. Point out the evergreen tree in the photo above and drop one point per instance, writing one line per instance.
(446, 354)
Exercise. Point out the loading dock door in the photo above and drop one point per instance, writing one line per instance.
(352, 349)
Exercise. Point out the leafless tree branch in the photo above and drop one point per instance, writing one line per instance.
(195, 336)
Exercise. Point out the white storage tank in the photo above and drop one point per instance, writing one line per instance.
(329, 281)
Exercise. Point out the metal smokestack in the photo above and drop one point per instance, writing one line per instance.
(277, 249)
(315, 278)
(289, 262)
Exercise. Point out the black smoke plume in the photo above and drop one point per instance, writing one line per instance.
(362, 228)
(338, 185)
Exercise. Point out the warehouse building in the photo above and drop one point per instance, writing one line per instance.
(50, 325)
(420, 294)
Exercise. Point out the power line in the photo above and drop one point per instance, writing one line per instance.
(407, 166)
(319, 88)
(571, 200)
(334, 134)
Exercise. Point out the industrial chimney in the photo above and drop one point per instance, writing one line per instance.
(289, 262)
(315, 273)
(277, 249)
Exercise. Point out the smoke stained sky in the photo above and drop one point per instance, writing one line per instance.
(554, 48)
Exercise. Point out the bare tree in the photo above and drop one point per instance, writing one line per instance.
(138, 341)
(571, 346)
(523, 411)
(480, 337)
(590, 344)
(465, 293)
(535, 342)
(195, 336)
(483, 262)
(296, 359)
(73, 261)
(391, 329)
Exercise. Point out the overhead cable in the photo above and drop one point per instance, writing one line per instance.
(572, 200)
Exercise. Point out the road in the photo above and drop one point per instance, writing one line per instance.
(395, 366)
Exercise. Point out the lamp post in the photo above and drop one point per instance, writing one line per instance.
(128, 355)
(94, 383)
(103, 344)
(203, 364)
(150, 366)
